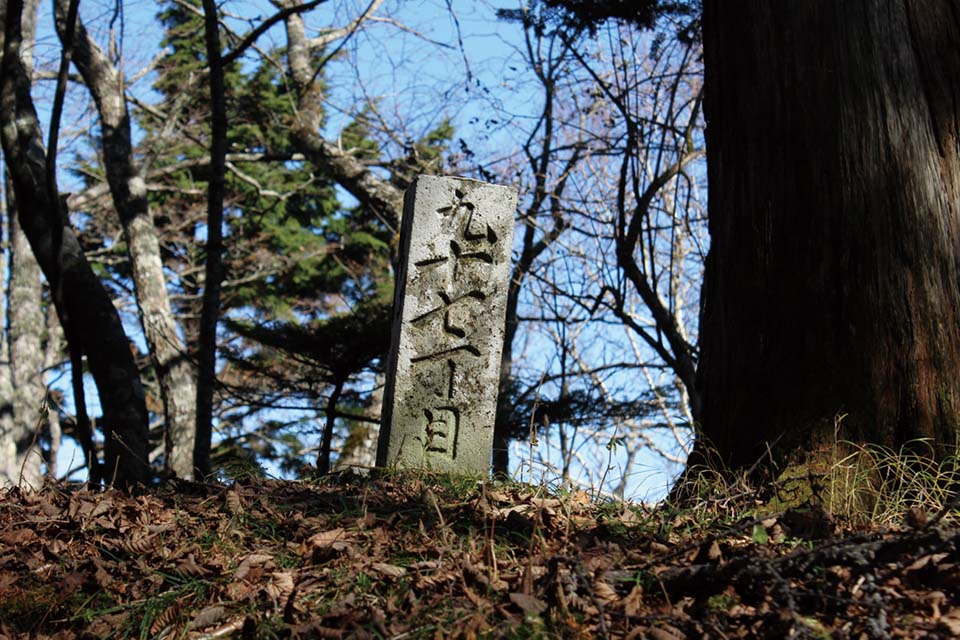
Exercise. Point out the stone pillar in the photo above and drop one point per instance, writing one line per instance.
(449, 308)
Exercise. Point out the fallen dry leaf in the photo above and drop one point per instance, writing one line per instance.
(251, 562)
(323, 559)
(389, 570)
(280, 585)
(708, 552)
(665, 632)
(632, 603)
(232, 501)
(18, 537)
(528, 604)
(336, 539)
(188, 566)
(604, 592)
(207, 617)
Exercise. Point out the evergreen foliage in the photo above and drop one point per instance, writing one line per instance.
(587, 14)
(309, 277)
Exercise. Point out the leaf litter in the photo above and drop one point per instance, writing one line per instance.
(431, 557)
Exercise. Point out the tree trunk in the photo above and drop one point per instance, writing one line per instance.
(129, 191)
(21, 378)
(19, 457)
(360, 447)
(24, 315)
(25, 324)
(379, 195)
(210, 311)
(501, 426)
(52, 356)
(85, 301)
(9, 455)
(832, 281)
(323, 459)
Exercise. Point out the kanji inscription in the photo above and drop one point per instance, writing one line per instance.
(449, 306)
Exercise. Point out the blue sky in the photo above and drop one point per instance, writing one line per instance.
(425, 61)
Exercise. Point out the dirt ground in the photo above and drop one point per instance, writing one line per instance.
(428, 557)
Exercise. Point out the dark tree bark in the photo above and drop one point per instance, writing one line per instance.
(129, 192)
(96, 323)
(210, 310)
(832, 281)
(326, 440)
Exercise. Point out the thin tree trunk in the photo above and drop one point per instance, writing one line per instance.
(25, 316)
(96, 322)
(379, 195)
(326, 440)
(11, 439)
(127, 186)
(210, 311)
(52, 356)
(360, 448)
(21, 377)
(502, 424)
(8, 437)
(531, 249)
(25, 323)
(528, 254)
(833, 280)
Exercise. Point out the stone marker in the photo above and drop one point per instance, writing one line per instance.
(443, 370)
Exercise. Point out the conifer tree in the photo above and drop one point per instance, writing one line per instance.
(298, 262)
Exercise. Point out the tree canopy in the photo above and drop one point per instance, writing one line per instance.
(602, 136)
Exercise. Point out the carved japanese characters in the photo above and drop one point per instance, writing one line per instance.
(449, 307)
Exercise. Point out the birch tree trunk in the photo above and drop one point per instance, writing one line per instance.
(9, 456)
(128, 189)
(85, 301)
(21, 377)
(25, 324)
(53, 352)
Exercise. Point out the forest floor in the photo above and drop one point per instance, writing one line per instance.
(430, 557)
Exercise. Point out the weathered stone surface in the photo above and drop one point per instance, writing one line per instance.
(449, 308)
